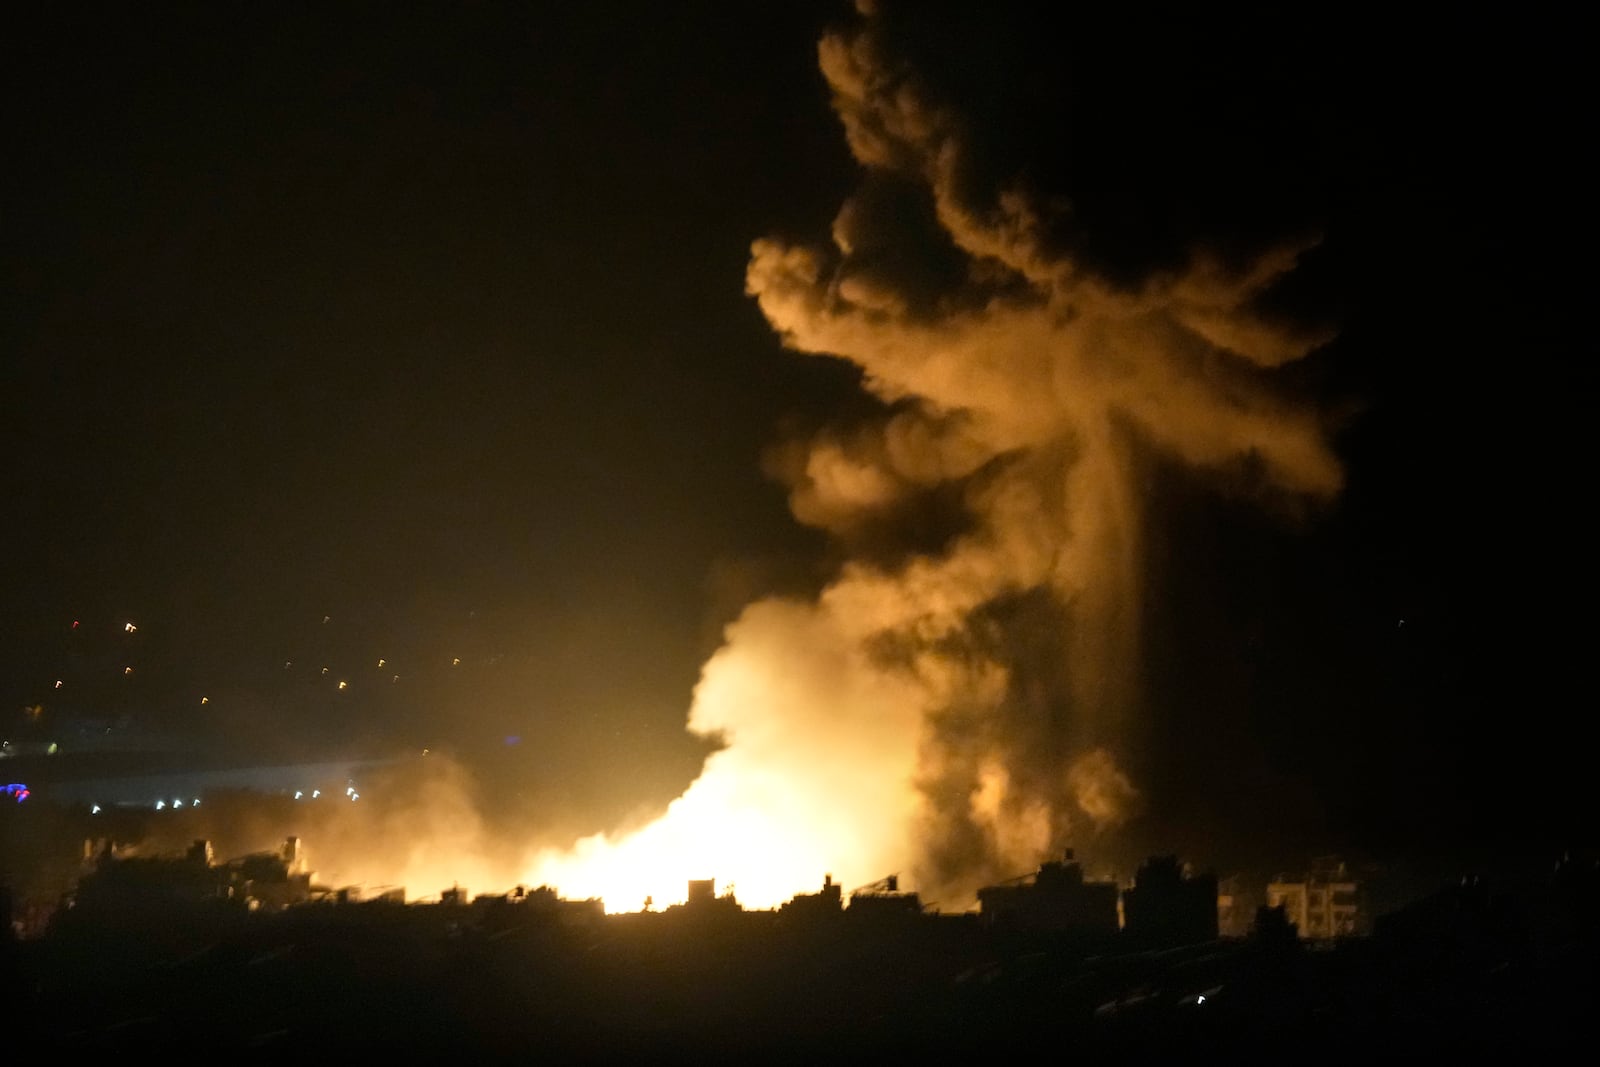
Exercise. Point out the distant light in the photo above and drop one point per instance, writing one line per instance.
(344, 684)
(195, 803)
(1200, 998)
(17, 790)
(74, 624)
(513, 739)
(130, 627)
(288, 663)
(53, 749)
(177, 803)
(58, 683)
(127, 670)
(324, 670)
(94, 809)
(349, 789)
(298, 794)
(396, 678)
(325, 619)
(424, 752)
(160, 804)
(355, 796)
(381, 662)
(205, 700)
(315, 793)
(456, 662)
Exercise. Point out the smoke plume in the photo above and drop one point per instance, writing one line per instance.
(956, 709)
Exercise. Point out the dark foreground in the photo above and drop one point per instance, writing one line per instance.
(1459, 973)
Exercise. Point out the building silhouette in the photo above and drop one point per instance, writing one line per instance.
(1166, 905)
(828, 902)
(115, 884)
(1056, 898)
(882, 899)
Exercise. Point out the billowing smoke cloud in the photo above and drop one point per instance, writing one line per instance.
(955, 709)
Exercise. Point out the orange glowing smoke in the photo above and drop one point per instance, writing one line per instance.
(885, 727)
(817, 776)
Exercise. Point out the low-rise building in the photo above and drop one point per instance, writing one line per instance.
(1168, 905)
(1323, 903)
(1056, 898)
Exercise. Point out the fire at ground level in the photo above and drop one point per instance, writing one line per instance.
(170, 954)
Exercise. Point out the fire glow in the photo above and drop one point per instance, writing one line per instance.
(888, 726)
(952, 714)
(817, 776)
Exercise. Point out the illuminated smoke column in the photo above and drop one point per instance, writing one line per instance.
(954, 712)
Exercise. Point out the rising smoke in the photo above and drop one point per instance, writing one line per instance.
(959, 701)
(957, 710)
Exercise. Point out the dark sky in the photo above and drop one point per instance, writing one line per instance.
(433, 323)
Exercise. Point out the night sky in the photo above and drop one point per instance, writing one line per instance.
(342, 334)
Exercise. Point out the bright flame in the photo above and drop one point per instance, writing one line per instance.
(956, 712)
(792, 687)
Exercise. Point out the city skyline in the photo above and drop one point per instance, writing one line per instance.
(383, 384)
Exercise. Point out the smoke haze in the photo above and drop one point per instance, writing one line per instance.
(395, 376)
(962, 697)
(958, 709)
